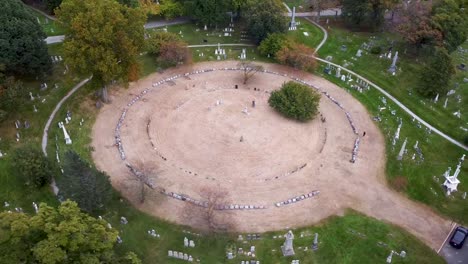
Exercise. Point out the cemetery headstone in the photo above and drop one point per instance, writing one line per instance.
(287, 247)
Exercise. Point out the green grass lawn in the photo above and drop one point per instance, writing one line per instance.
(438, 154)
(402, 85)
(315, 35)
(50, 27)
(195, 35)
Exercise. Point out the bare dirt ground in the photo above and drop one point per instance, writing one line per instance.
(202, 150)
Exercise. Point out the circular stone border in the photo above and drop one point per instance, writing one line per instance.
(186, 198)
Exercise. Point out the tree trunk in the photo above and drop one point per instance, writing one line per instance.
(104, 95)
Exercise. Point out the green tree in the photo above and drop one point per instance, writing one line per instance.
(23, 50)
(208, 12)
(103, 39)
(51, 5)
(84, 184)
(451, 16)
(436, 74)
(417, 27)
(264, 18)
(171, 9)
(273, 43)
(58, 235)
(365, 13)
(298, 56)
(157, 39)
(296, 101)
(12, 93)
(130, 3)
(32, 167)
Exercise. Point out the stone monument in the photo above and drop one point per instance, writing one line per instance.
(393, 68)
(293, 24)
(287, 247)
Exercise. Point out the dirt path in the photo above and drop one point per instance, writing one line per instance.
(195, 147)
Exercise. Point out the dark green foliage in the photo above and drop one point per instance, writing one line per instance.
(129, 3)
(364, 13)
(376, 50)
(451, 17)
(22, 47)
(435, 76)
(208, 12)
(84, 184)
(296, 101)
(12, 93)
(272, 44)
(51, 5)
(264, 18)
(32, 166)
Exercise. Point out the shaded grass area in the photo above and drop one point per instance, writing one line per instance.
(402, 86)
(50, 27)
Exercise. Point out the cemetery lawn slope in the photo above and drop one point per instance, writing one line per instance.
(402, 86)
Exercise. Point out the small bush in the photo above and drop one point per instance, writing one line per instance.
(376, 50)
(32, 167)
(296, 101)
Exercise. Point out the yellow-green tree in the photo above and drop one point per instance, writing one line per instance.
(103, 39)
(58, 235)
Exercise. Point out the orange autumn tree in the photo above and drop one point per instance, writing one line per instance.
(298, 56)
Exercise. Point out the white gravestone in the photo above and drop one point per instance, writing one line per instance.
(287, 247)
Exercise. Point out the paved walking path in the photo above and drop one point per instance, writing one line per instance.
(45, 134)
(151, 24)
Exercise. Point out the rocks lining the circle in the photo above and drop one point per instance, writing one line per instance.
(298, 198)
(118, 141)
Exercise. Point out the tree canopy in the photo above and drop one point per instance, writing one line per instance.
(365, 13)
(103, 38)
(264, 18)
(451, 17)
(273, 43)
(84, 184)
(32, 166)
(296, 101)
(23, 50)
(58, 235)
(435, 76)
(212, 13)
(298, 56)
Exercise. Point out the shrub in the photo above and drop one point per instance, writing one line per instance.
(32, 166)
(376, 50)
(296, 101)
(298, 56)
(272, 44)
(157, 39)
